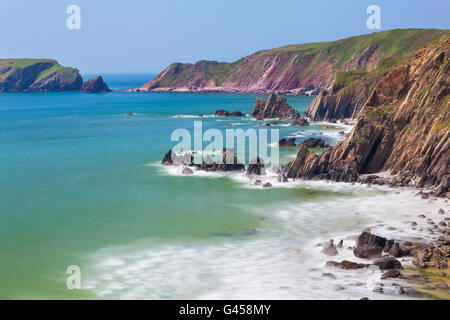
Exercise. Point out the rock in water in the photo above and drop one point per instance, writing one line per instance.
(330, 249)
(274, 107)
(287, 142)
(394, 273)
(387, 263)
(346, 265)
(369, 246)
(255, 167)
(302, 122)
(224, 113)
(95, 85)
(315, 143)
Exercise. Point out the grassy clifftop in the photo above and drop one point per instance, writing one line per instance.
(295, 67)
(37, 75)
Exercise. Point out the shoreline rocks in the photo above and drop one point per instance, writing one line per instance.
(315, 143)
(290, 142)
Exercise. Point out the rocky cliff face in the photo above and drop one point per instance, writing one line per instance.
(403, 128)
(37, 75)
(342, 103)
(95, 85)
(274, 107)
(297, 69)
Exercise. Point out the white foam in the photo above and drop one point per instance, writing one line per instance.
(282, 261)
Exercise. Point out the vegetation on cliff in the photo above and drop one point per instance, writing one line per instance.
(37, 75)
(295, 68)
(403, 128)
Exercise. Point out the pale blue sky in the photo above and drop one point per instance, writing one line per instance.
(146, 36)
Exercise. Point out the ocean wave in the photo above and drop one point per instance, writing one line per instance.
(283, 261)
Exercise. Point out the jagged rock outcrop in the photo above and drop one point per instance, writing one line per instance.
(229, 161)
(342, 103)
(296, 69)
(274, 107)
(95, 85)
(37, 75)
(225, 113)
(404, 128)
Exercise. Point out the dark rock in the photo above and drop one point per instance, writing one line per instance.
(168, 158)
(267, 185)
(255, 167)
(396, 251)
(369, 246)
(315, 143)
(364, 298)
(346, 265)
(224, 113)
(387, 263)
(302, 122)
(95, 85)
(287, 142)
(393, 273)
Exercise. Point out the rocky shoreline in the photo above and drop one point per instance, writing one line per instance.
(424, 265)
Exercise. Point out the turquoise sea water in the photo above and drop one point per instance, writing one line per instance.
(80, 185)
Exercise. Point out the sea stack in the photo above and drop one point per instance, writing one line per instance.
(95, 85)
(274, 107)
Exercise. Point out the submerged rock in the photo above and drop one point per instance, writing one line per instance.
(346, 265)
(330, 249)
(224, 113)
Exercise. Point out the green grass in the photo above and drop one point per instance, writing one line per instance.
(52, 69)
(304, 60)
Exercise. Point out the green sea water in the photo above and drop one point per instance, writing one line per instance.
(80, 185)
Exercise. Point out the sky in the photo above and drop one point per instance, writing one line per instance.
(145, 36)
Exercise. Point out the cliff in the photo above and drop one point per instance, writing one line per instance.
(37, 75)
(403, 128)
(298, 69)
